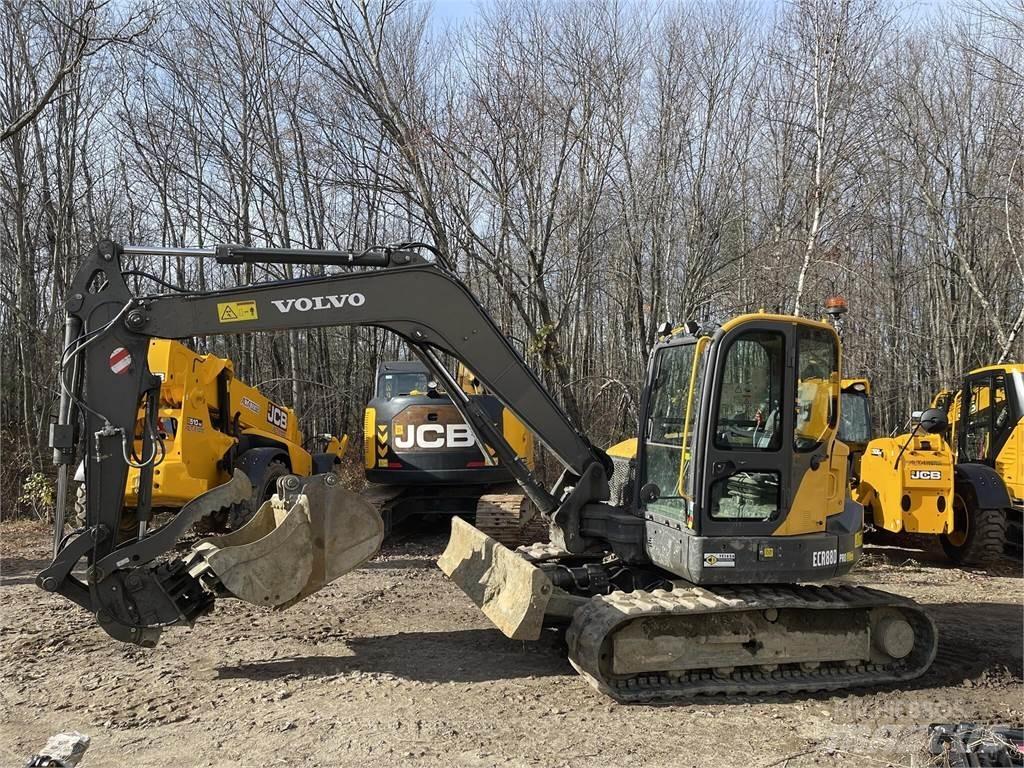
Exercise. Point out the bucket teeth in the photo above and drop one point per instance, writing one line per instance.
(293, 546)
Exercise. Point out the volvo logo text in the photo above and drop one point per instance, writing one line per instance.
(306, 304)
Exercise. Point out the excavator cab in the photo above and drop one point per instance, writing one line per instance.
(737, 475)
(736, 484)
(739, 449)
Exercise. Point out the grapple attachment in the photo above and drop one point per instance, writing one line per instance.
(510, 591)
(310, 533)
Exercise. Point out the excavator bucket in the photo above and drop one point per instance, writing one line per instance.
(511, 592)
(295, 544)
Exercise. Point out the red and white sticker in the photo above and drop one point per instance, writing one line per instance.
(120, 360)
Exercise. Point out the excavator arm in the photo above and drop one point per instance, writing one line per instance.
(131, 582)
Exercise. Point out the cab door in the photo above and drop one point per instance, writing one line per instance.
(989, 412)
(771, 411)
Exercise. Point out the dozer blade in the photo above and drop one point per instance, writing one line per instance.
(297, 543)
(511, 592)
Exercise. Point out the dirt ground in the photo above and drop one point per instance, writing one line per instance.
(393, 665)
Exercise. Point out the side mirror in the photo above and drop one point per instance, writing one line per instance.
(934, 421)
(650, 492)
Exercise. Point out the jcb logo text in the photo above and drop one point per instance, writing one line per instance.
(435, 436)
(277, 416)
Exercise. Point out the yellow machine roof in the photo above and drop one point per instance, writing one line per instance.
(1010, 367)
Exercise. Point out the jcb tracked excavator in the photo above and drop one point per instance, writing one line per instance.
(678, 571)
(422, 458)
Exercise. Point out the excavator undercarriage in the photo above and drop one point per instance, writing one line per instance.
(676, 639)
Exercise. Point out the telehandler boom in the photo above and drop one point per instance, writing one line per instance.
(676, 571)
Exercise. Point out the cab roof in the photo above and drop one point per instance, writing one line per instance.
(401, 366)
(1009, 367)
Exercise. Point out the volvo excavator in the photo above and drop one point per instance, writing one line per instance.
(693, 567)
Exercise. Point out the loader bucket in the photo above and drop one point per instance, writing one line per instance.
(294, 545)
(511, 592)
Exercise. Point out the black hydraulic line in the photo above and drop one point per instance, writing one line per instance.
(910, 437)
(157, 280)
(237, 254)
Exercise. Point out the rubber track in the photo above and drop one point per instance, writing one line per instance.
(593, 625)
(382, 497)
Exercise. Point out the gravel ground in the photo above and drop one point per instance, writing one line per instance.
(393, 665)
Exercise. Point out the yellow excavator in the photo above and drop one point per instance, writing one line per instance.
(695, 566)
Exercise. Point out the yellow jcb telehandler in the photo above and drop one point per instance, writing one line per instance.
(958, 473)
(210, 423)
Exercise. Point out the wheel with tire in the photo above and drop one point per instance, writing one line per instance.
(978, 534)
(240, 514)
(78, 520)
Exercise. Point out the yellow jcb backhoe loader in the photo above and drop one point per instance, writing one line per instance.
(695, 567)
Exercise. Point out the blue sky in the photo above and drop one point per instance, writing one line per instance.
(453, 10)
(456, 10)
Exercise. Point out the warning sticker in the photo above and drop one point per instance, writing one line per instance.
(237, 311)
(120, 360)
(720, 560)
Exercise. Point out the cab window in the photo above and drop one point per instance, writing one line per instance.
(668, 434)
(749, 415)
(402, 384)
(854, 418)
(989, 420)
(817, 387)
